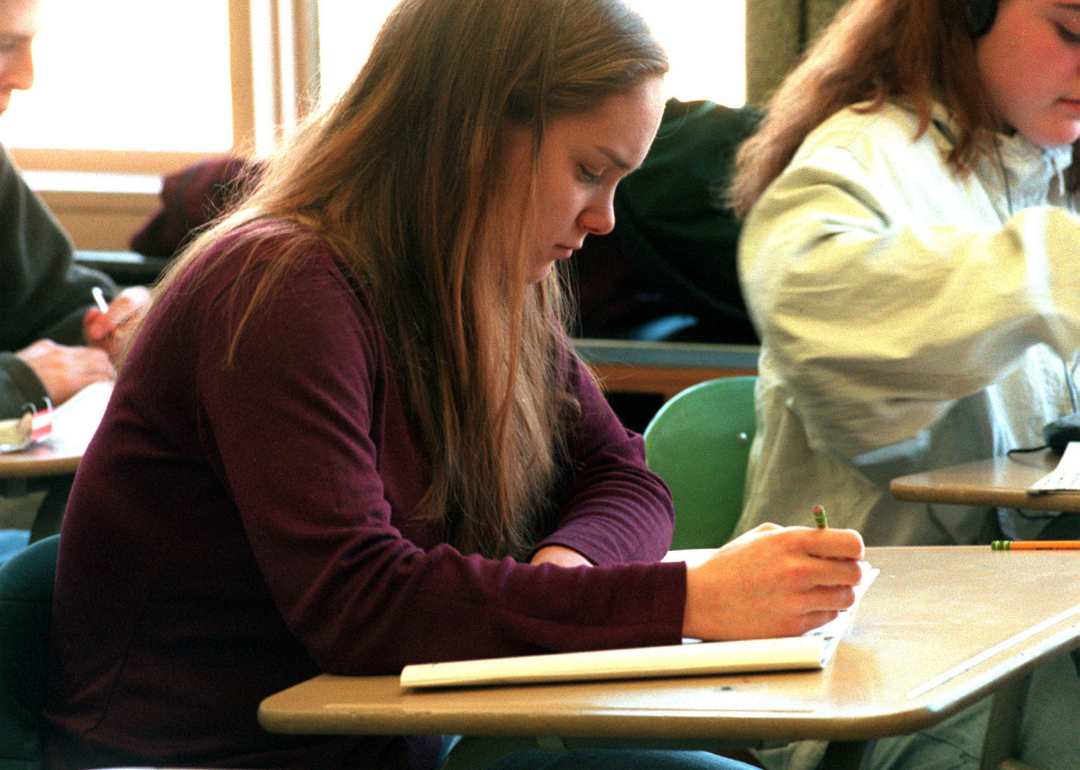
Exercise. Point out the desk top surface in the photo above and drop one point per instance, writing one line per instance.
(74, 423)
(939, 629)
(999, 482)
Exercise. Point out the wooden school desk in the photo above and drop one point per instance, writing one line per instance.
(1000, 482)
(50, 464)
(920, 648)
(628, 366)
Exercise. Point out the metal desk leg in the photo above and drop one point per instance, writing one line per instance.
(847, 755)
(1003, 731)
(51, 512)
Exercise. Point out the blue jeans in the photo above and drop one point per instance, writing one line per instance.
(614, 759)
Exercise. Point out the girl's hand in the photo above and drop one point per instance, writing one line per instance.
(773, 581)
(63, 370)
(110, 331)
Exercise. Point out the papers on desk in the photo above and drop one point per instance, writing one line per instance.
(73, 422)
(812, 650)
(1065, 477)
(82, 412)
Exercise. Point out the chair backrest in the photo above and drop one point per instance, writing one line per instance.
(699, 444)
(26, 592)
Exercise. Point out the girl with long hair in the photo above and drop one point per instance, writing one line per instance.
(352, 434)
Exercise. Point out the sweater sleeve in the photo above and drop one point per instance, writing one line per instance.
(615, 509)
(294, 423)
(18, 385)
(43, 294)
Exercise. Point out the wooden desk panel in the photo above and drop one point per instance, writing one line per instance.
(939, 629)
(1000, 482)
(626, 366)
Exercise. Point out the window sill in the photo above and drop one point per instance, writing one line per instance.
(100, 211)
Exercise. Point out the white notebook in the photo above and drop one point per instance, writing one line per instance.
(812, 650)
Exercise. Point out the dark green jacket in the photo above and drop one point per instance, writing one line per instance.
(672, 251)
(43, 294)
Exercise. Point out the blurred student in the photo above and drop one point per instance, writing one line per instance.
(352, 433)
(53, 338)
(909, 255)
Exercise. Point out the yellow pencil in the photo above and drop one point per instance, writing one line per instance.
(819, 517)
(1035, 545)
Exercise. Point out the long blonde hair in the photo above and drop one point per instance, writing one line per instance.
(914, 51)
(402, 177)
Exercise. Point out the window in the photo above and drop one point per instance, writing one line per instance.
(134, 89)
(346, 31)
(705, 42)
(124, 80)
(166, 89)
(124, 77)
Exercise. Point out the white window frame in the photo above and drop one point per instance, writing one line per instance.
(102, 196)
(273, 48)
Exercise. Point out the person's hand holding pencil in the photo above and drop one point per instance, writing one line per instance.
(774, 581)
(108, 325)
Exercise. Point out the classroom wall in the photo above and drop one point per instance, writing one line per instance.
(101, 219)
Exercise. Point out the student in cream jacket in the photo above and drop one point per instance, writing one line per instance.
(910, 319)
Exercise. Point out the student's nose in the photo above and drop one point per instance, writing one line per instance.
(599, 217)
(17, 69)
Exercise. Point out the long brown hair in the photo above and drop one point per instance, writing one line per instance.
(402, 176)
(914, 51)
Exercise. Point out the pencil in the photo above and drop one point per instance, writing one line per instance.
(99, 299)
(1035, 545)
(819, 517)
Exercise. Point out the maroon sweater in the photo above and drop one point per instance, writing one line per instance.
(235, 530)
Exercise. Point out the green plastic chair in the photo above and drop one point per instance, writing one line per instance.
(699, 444)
